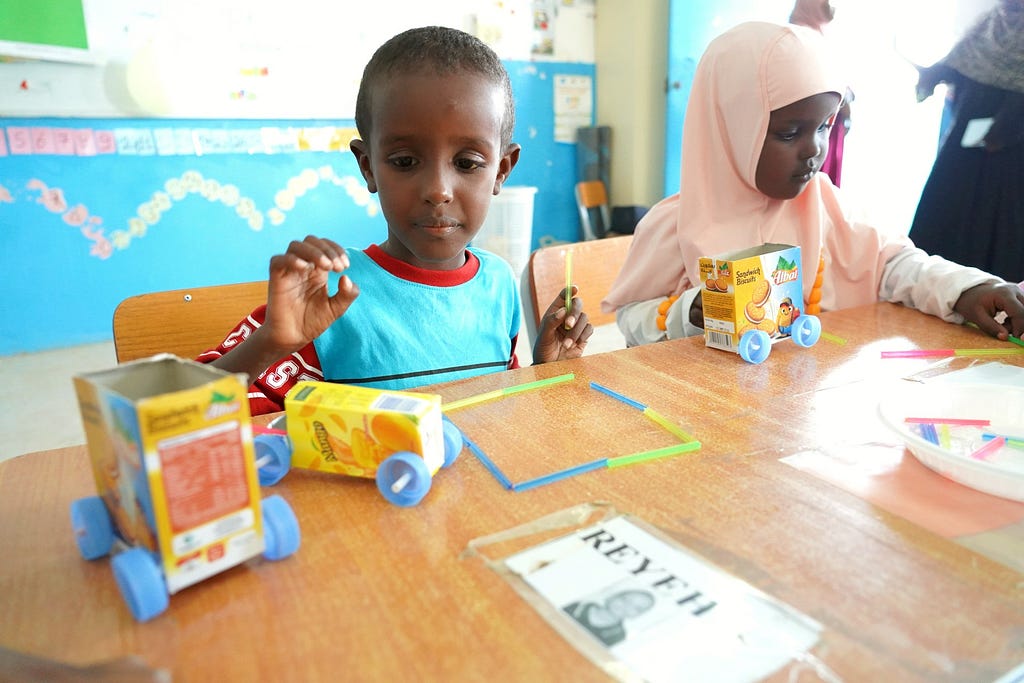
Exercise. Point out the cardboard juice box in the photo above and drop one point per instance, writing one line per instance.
(171, 447)
(756, 288)
(351, 430)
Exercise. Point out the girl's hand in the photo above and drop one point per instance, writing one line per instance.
(562, 334)
(981, 304)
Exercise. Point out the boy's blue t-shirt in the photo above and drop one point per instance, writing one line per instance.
(400, 334)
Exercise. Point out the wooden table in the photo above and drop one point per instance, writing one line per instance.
(378, 592)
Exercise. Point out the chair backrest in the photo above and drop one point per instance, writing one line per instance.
(184, 322)
(592, 203)
(595, 265)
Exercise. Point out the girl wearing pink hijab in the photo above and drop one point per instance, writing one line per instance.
(755, 135)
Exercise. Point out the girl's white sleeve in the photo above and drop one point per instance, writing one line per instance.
(931, 284)
(638, 321)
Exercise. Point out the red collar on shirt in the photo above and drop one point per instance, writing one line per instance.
(423, 276)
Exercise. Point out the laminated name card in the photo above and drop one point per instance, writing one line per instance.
(644, 608)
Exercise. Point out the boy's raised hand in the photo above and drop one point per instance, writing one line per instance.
(981, 304)
(562, 334)
(299, 307)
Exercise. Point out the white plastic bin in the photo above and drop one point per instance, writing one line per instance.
(508, 229)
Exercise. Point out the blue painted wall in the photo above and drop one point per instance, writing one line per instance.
(79, 234)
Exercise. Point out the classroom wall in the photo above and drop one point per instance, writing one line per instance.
(95, 209)
(631, 57)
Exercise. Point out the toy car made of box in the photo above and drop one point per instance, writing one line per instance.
(178, 501)
(752, 299)
(399, 438)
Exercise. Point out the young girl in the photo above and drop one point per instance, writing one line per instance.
(755, 136)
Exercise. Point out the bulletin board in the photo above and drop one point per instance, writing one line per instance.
(50, 24)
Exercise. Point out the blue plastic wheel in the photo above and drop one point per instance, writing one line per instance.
(273, 457)
(452, 442)
(280, 528)
(806, 330)
(408, 473)
(90, 522)
(755, 346)
(141, 582)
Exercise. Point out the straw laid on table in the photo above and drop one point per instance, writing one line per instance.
(507, 391)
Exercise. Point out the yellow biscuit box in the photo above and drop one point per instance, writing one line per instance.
(351, 430)
(760, 288)
(170, 442)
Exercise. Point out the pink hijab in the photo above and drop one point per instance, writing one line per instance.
(744, 74)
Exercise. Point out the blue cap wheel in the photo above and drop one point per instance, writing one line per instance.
(806, 330)
(281, 533)
(90, 522)
(273, 457)
(141, 582)
(452, 441)
(755, 345)
(403, 479)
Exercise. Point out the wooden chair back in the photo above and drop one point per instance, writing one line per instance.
(184, 322)
(595, 265)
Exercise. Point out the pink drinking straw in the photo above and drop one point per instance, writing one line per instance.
(987, 450)
(947, 421)
(920, 353)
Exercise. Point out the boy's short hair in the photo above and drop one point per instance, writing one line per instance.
(446, 51)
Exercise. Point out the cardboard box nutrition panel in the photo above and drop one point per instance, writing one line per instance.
(756, 288)
(171, 447)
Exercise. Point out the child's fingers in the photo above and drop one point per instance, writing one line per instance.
(578, 333)
(288, 263)
(558, 303)
(572, 313)
(320, 253)
(346, 294)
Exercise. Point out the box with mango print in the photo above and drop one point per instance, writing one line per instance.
(351, 430)
(756, 288)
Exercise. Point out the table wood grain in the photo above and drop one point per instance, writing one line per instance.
(378, 592)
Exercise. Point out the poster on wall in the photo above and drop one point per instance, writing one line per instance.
(45, 29)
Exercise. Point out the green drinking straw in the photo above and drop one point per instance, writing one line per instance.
(986, 352)
(668, 425)
(1016, 340)
(643, 456)
(835, 339)
(507, 391)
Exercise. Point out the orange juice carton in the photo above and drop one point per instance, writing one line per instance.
(171, 447)
(352, 430)
(759, 288)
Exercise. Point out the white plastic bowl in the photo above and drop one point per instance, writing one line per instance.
(1001, 474)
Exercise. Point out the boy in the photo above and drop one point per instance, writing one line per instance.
(435, 115)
